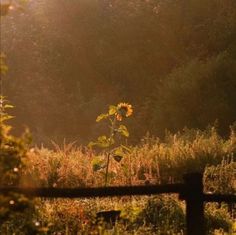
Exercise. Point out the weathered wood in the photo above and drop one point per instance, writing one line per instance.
(95, 192)
(219, 198)
(193, 196)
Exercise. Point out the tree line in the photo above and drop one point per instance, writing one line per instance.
(174, 60)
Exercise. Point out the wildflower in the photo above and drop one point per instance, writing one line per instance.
(123, 110)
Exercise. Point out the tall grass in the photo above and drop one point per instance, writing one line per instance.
(151, 162)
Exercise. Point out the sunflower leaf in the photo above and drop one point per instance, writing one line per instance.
(123, 130)
(103, 142)
(112, 109)
(118, 154)
(97, 164)
(91, 144)
(102, 116)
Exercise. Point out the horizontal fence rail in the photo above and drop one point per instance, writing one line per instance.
(219, 198)
(96, 192)
(113, 192)
(191, 191)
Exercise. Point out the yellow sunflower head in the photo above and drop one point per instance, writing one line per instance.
(123, 110)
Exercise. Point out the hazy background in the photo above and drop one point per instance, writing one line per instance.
(173, 60)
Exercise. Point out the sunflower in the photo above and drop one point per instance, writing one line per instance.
(123, 110)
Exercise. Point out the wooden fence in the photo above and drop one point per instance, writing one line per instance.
(191, 191)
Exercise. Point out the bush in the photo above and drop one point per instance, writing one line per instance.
(16, 210)
(218, 218)
(165, 213)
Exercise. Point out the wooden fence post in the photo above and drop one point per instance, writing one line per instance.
(193, 196)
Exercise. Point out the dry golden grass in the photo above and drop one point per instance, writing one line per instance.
(152, 161)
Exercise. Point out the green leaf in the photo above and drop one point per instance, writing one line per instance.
(97, 164)
(101, 117)
(111, 141)
(118, 154)
(112, 109)
(102, 138)
(103, 141)
(123, 130)
(91, 144)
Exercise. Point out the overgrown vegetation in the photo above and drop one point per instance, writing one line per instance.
(152, 162)
(16, 210)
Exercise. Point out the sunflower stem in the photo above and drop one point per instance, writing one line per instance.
(113, 122)
(107, 169)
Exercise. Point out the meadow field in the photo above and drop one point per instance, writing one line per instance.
(169, 66)
(151, 162)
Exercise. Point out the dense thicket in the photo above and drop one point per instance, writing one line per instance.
(174, 60)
